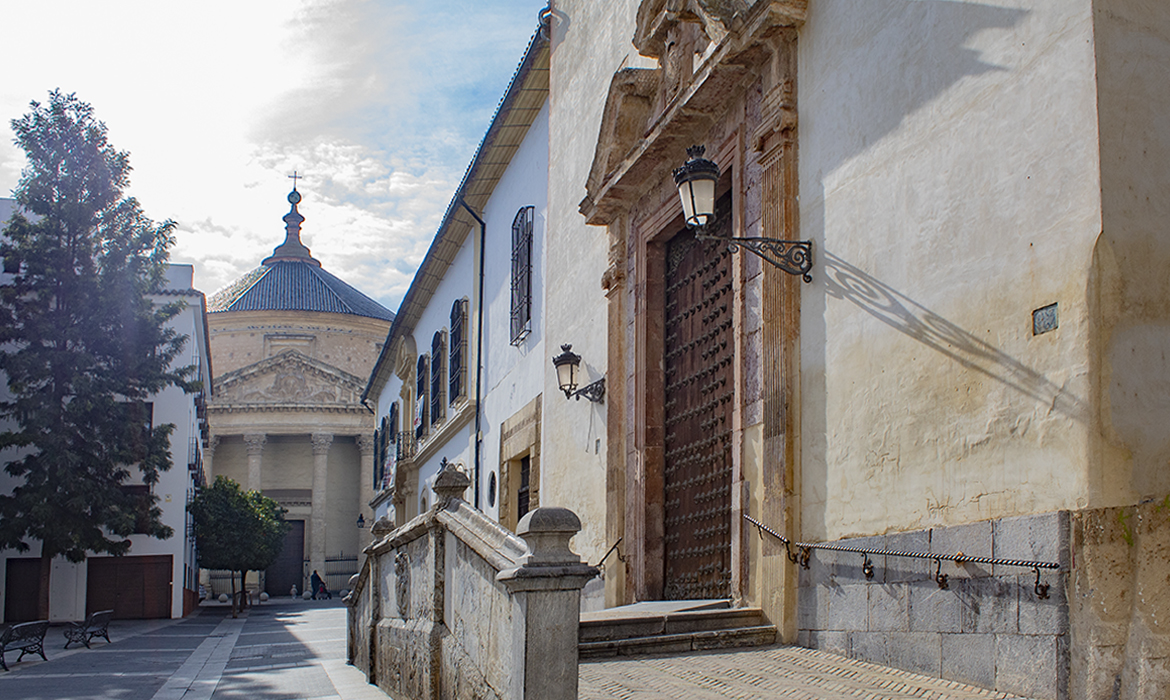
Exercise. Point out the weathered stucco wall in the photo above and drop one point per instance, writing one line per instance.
(1131, 284)
(591, 40)
(949, 179)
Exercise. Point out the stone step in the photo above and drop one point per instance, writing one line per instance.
(679, 643)
(637, 625)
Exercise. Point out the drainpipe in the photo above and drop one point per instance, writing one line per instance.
(478, 348)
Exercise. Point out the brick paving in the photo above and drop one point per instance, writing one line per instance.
(763, 674)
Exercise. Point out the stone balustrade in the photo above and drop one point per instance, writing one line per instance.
(453, 605)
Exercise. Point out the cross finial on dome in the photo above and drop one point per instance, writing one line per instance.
(292, 249)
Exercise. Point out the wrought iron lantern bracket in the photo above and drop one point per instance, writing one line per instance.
(793, 257)
(595, 391)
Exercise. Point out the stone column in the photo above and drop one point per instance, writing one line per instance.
(321, 443)
(365, 443)
(255, 443)
(548, 586)
(208, 456)
(777, 485)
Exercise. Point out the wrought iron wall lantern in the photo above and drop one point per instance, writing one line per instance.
(568, 365)
(696, 180)
(361, 521)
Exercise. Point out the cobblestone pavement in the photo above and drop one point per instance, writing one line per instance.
(762, 674)
(278, 651)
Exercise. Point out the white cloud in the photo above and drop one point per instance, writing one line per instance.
(379, 104)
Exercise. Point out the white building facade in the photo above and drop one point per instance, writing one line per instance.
(156, 578)
(466, 353)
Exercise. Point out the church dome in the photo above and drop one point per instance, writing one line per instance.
(291, 279)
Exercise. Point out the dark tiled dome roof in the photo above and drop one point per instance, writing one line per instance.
(286, 285)
(292, 280)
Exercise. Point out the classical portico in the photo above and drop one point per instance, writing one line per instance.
(292, 346)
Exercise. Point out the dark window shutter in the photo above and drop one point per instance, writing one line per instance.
(455, 368)
(438, 355)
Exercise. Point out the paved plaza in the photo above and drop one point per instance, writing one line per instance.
(291, 650)
(276, 651)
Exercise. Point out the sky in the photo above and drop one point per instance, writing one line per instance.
(378, 104)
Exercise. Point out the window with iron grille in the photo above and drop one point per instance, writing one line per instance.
(456, 367)
(438, 355)
(522, 274)
(420, 400)
(523, 493)
(379, 438)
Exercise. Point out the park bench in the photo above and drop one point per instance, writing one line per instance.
(29, 637)
(96, 625)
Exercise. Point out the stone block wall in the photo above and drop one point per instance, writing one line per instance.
(451, 605)
(1120, 602)
(987, 628)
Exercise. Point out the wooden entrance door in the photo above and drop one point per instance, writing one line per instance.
(698, 349)
(289, 568)
(22, 587)
(133, 587)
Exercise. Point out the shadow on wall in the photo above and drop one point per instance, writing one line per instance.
(848, 283)
(908, 52)
(867, 67)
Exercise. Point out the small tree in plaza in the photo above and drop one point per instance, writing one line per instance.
(82, 345)
(237, 530)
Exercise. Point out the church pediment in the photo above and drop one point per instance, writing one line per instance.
(706, 50)
(289, 378)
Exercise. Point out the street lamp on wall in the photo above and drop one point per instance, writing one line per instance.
(568, 365)
(361, 521)
(696, 180)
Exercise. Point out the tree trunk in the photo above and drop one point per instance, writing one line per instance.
(43, 591)
(245, 599)
(234, 609)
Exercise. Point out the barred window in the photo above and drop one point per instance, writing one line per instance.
(381, 443)
(420, 401)
(522, 274)
(438, 359)
(456, 369)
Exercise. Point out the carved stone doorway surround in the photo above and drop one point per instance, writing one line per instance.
(728, 82)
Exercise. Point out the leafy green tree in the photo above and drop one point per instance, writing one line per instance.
(237, 530)
(82, 345)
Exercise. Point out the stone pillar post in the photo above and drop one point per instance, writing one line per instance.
(321, 443)
(549, 580)
(208, 457)
(365, 443)
(255, 443)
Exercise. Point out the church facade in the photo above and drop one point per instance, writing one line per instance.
(973, 369)
(292, 346)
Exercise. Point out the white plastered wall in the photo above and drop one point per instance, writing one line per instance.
(949, 180)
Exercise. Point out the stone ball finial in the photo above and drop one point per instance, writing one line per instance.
(547, 532)
(382, 527)
(450, 484)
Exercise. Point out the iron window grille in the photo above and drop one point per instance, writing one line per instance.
(523, 494)
(522, 274)
(420, 408)
(438, 354)
(456, 368)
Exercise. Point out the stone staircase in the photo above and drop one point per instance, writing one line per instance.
(671, 627)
